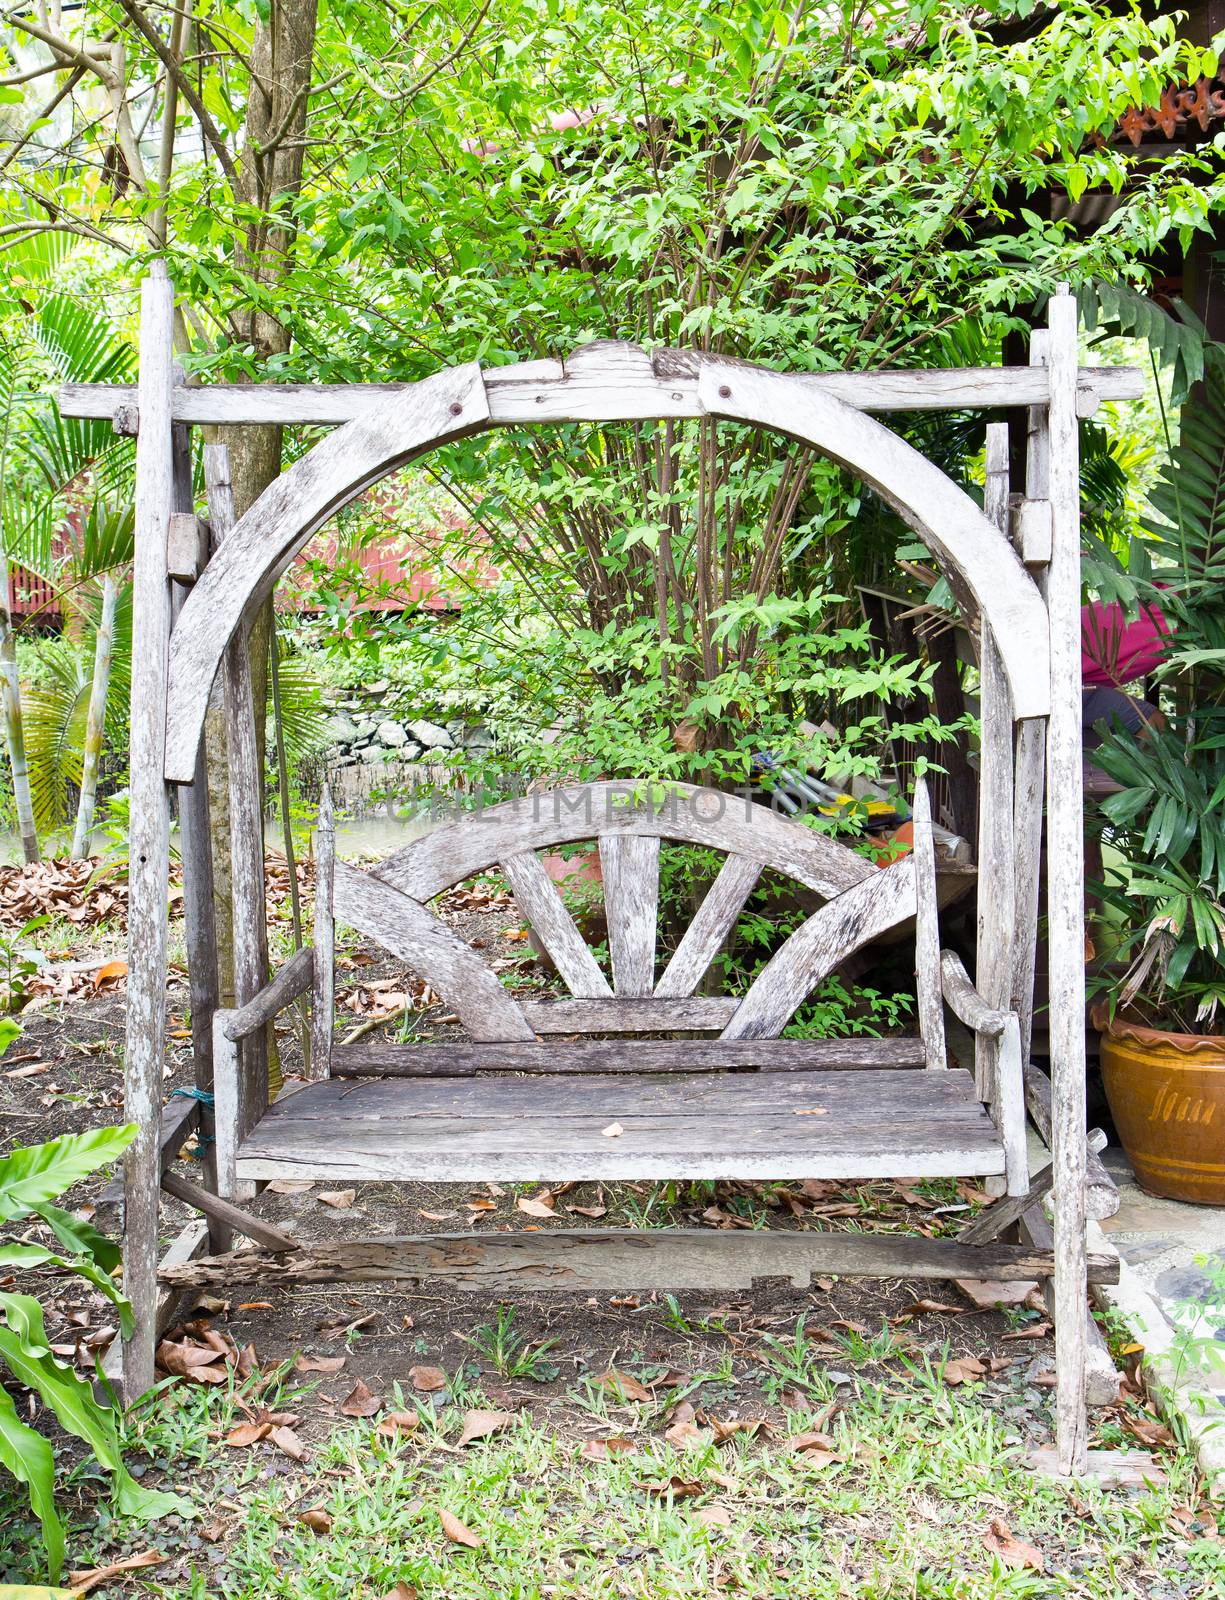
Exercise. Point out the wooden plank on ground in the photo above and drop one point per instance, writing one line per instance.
(618, 1259)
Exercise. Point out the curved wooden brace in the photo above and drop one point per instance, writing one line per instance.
(729, 822)
(265, 540)
(416, 937)
(602, 383)
(983, 570)
(818, 945)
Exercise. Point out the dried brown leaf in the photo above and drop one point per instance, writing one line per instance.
(1013, 1552)
(82, 1582)
(244, 1434)
(397, 1422)
(604, 1449)
(328, 1364)
(338, 1199)
(623, 1384)
(317, 1520)
(456, 1532)
(535, 1208)
(360, 1402)
(430, 1380)
(288, 1443)
(480, 1424)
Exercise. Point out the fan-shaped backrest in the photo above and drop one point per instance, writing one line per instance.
(862, 902)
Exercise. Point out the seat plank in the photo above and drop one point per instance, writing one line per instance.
(537, 898)
(704, 936)
(630, 864)
(686, 1125)
(461, 1060)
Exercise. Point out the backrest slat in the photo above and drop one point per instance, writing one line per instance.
(630, 864)
(704, 937)
(928, 985)
(538, 899)
(694, 1014)
(818, 945)
(415, 936)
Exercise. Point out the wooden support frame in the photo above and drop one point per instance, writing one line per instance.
(1031, 714)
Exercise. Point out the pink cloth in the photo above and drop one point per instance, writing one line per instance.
(1114, 651)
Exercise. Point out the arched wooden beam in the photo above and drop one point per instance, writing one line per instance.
(982, 568)
(246, 568)
(600, 383)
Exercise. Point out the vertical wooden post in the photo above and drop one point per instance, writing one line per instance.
(149, 835)
(196, 855)
(1065, 892)
(927, 934)
(1030, 758)
(246, 819)
(324, 994)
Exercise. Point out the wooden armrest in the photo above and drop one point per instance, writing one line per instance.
(964, 1000)
(293, 979)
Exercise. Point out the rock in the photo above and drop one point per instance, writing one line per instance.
(410, 751)
(457, 727)
(341, 729)
(372, 754)
(366, 730)
(380, 686)
(430, 735)
(391, 733)
(478, 738)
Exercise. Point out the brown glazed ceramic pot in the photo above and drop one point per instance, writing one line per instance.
(1167, 1097)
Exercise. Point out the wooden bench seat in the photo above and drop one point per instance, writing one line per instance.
(771, 1124)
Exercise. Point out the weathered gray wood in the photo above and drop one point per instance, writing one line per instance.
(1008, 1105)
(1004, 1214)
(186, 546)
(226, 1107)
(246, 789)
(996, 896)
(818, 945)
(696, 1013)
(323, 996)
(872, 1123)
(619, 1259)
(293, 978)
(513, 389)
(461, 1060)
(729, 822)
(1102, 1377)
(1065, 889)
(1030, 527)
(180, 1118)
(709, 930)
(964, 1000)
(538, 899)
(980, 565)
(414, 935)
(1027, 870)
(149, 843)
(1101, 1192)
(243, 573)
(1105, 1469)
(232, 1217)
(928, 984)
(630, 865)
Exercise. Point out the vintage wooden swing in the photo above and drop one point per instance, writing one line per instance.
(516, 1102)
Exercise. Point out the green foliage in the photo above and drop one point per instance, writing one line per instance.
(29, 1180)
(1168, 886)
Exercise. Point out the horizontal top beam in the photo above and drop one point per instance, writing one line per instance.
(538, 391)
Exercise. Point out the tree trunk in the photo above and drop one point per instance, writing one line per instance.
(95, 721)
(10, 691)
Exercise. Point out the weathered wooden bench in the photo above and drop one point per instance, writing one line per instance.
(642, 1077)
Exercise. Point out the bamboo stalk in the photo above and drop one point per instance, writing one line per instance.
(95, 721)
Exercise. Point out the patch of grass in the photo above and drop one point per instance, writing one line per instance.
(511, 1353)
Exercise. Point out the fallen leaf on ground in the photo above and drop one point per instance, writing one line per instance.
(534, 1208)
(623, 1383)
(604, 1449)
(431, 1380)
(360, 1402)
(935, 1308)
(397, 1422)
(962, 1369)
(402, 1591)
(287, 1441)
(291, 1185)
(200, 1363)
(338, 1199)
(306, 1363)
(83, 1582)
(244, 1434)
(683, 1435)
(678, 1488)
(317, 1520)
(1036, 1330)
(434, 1216)
(614, 1130)
(1013, 1552)
(480, 1424)
(1148, 1430)
(588, 1211)
(714, 1516)
(480, 1205)
(110, 972)
(457, 1532)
